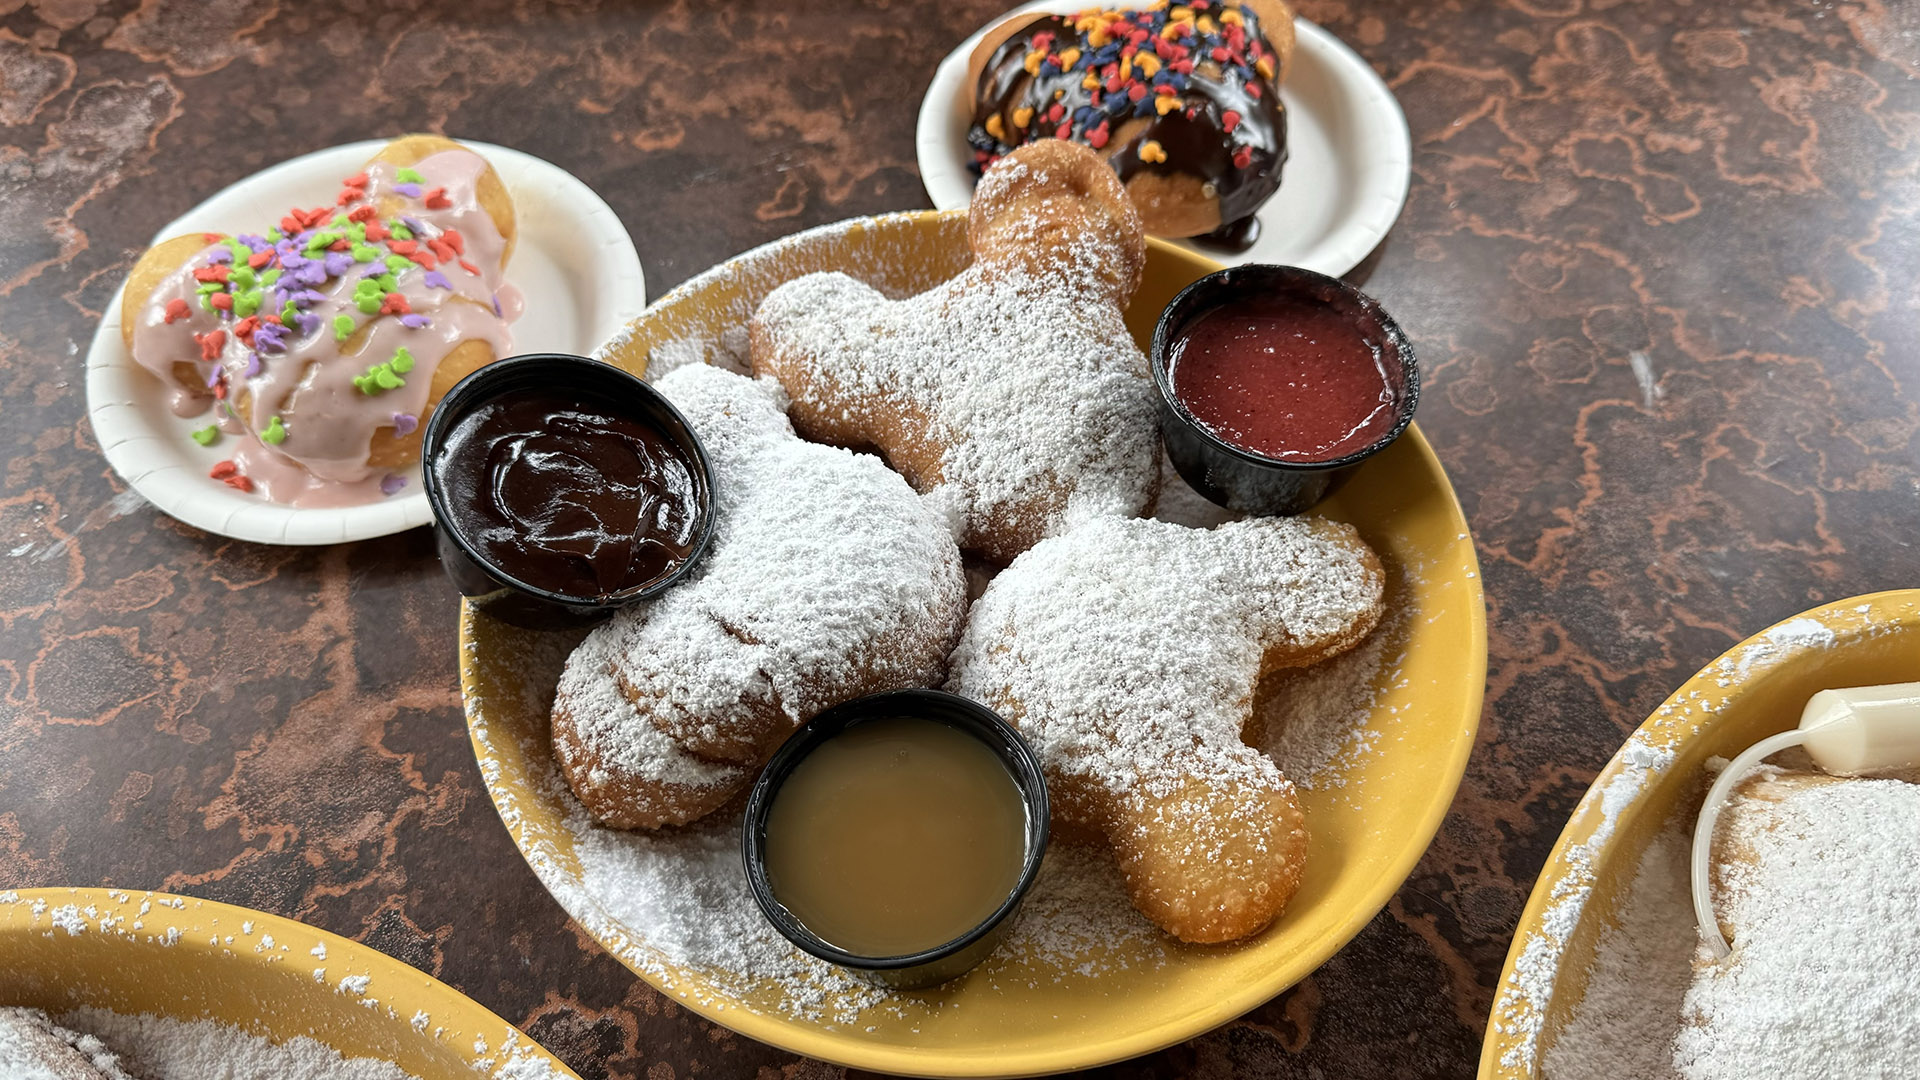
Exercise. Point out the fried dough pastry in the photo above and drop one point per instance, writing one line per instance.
(1127, 652)
(33, 1047)
(1183, 102)
(325, 343)
(826, 579)
(1012, 395)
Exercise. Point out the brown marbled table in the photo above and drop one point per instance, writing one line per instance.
(1659, 259)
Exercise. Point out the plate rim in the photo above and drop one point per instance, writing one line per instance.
(1662, 728)
(1350, 246)
(402, 987)
(841, 1047)
(256, 520)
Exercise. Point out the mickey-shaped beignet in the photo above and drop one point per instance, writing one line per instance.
(826, 579)
(323, 342)
(1128, 652)
(1012, 395)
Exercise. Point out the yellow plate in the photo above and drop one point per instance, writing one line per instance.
(1753, 690)
(188, 959)
(1367, 834)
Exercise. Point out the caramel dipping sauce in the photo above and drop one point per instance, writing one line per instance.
(896, 836)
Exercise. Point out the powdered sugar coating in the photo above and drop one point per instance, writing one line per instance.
(826, 578)
(1013, 395)
(1127, 639)
(1819, 880)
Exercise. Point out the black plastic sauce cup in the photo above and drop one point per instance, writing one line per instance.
(1242, 479)
(494, 589)
(954, 958)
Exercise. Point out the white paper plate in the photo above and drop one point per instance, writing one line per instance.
(1349, 154)
(573, 261)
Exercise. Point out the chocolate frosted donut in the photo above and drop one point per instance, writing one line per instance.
(1182, 100)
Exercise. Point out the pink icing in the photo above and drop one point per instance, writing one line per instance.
(329, 420)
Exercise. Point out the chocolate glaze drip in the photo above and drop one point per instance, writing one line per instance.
(573, 496)
(1193, 137)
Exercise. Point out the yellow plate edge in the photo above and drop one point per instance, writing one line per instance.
(404, 989)
(843, 1050)
(1689, 719)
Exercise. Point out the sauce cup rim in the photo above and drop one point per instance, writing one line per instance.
(1028, 780)
(482, 385)
(1184, 308)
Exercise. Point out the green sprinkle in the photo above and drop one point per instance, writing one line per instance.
(273, 235)
(402, 361)
(342, 327)
(409, 176)
(241, 252)
(365, 253)
(269, 277)
(322, 240)
(366, 287)
(206, 302)
(357, 232)
(387, 282)
(246, 303)
(386, 378)
(399, 231)
(275, 434)
(211, 287)
(398, 263)
(368, 305)
(339, 220)
(243, 277)
(287, 313)
(206, 435)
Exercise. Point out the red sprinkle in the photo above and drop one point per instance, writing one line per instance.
(216, 272)
(1243, 157)
(1064, 131)
(1229, 120)
(1165, 90)
(276, 320)
(291, 223)
(1097, 138)
(1136, 91)
(245, 327)
(211, 238)
(436, 199)
(361, 213)
(223, 301)
(1055, 112)
(177, 309)
(348, 195)
(376, 232)
(404, 247)
(475, 271)
(240, 482)
(395, 304)
(211, 343)
(1043, 41)
(1184, 67)
(424, 258)
(1253, 90)
(220, 389)
(455, 241)
(260, 258)
(358, 179)
(223, 470)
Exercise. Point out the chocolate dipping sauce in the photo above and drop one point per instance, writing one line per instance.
(895, 837)
(1289, 380)
(569, 493)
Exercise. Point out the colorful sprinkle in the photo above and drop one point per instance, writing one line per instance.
(391, 484)
(177, 309)
(1151, 152)
(275, 434)
(405, 423)
(342, 327)
(206, 436)
(409, 176)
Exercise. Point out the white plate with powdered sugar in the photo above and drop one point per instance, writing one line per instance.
(573, 261)
(1349, 154)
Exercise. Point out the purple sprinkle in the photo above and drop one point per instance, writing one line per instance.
(411, 191)
(310, 296)
(253, 359)
(415, 321)
(221, 254)
(213, 376)
(391, 484)
(374, 269)
(254, 241)
(308, 321)
(339, 262)
(268, 337)
(437, 280)
(404, 423)
(314, 273)
(414, 224)
(496, 308)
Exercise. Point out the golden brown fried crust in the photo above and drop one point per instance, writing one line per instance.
(491, 192)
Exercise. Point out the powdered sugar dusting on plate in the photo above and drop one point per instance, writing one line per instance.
(1521, 1007)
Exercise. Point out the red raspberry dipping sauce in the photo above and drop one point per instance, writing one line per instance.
(1285, 378)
